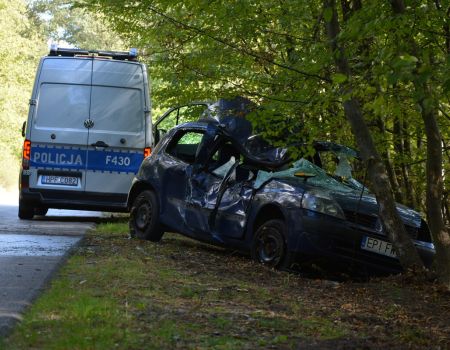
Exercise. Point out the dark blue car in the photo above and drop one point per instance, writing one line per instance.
(214, 181)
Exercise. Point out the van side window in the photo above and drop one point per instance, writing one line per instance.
(184, 146)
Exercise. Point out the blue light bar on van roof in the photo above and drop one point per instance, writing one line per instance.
(115, 55)
(133, 52)
(54, 47)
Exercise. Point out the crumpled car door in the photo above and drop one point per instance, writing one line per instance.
(201, 196)
(173, 177)
(217, 206)
(229, 217)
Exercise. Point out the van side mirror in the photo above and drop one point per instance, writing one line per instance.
(24, 125)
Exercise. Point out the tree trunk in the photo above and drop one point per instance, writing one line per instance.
(435, 192)
(389, 166)
(435, 183)
(403, 149)
(393, 224)
(399, 154)
(406, 169)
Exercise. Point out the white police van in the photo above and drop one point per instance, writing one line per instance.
(88, 130)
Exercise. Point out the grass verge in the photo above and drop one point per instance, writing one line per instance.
(130, 294)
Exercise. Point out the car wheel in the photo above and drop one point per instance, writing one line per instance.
(268, 244)
(144, 217)
(40, 211)
(26, 212)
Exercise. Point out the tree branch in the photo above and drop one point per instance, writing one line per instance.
(233, 46)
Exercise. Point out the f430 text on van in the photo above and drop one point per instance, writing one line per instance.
(88, 130)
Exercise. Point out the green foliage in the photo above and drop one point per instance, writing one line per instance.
(277, 54)
(24, 31)
(20, 49)
(199, 50)
(62, 22)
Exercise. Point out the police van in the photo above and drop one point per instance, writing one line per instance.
(88, 130)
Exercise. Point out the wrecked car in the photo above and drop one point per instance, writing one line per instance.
(214, 181)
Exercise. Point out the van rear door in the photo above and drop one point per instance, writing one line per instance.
(58, 134)
(117, 136)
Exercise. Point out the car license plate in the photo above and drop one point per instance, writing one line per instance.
(378, 246)
(59, 180)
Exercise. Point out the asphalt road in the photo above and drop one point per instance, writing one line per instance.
(31, 252)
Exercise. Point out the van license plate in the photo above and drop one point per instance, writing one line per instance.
(378, 246)
(59, 180)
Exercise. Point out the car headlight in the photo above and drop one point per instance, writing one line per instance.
(322, 203)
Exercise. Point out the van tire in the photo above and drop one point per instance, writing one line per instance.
(144, 217)
(42, 211)
(26, 212)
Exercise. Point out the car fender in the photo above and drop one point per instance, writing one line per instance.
(137, 187)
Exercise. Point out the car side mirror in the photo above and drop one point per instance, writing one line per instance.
(24, 125)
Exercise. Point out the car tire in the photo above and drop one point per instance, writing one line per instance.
(26, 211)
(144, 217)
(42, 211)
(269, 244)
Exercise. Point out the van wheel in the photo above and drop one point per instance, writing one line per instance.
(26, 212)
(42, 211)
(144, 217)
(268, 245)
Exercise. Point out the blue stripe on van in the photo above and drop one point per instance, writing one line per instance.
(58, 158)
(76, 159)
(127, 162)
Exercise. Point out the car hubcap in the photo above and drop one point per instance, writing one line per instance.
(269, 248)
(143, 216)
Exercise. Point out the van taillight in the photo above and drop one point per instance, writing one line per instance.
(147, 151)
(26, 154)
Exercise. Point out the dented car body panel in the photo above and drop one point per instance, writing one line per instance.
(215, 185)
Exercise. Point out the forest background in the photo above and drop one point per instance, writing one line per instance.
(27, 28)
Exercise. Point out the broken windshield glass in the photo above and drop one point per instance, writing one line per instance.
(315, 176)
